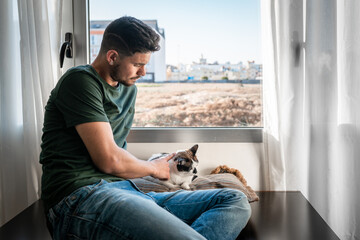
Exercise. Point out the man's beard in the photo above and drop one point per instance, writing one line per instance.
(116, 78)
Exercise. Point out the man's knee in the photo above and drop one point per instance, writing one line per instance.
(238, 201)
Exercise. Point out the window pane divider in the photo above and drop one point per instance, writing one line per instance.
(195, 135)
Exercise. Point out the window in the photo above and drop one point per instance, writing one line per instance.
(208, 73)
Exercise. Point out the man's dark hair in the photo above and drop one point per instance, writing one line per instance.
(128, 35)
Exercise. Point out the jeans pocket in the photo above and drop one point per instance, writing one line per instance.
(81, 194)
(72, 200)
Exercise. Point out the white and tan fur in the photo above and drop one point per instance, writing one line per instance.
(182, 167)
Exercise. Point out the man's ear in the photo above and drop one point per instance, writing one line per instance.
(111, 56)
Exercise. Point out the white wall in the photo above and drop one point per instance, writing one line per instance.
(159, 62)
(246, 157)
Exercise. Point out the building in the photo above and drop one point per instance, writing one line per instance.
(155, 69)
(214, 71)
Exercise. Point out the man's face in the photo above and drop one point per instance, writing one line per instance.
(126, 70)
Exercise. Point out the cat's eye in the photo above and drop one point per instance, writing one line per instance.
(180, 159)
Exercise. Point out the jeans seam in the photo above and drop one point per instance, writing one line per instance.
(113, 229)
(187, 220)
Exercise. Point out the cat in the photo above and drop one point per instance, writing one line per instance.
(182, 167)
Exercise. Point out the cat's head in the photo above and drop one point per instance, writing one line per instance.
(186, 160)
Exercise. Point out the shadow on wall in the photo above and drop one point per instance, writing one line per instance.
(333, 176)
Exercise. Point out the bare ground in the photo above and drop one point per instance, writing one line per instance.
(198, 105)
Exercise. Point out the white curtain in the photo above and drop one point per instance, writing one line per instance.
(311, 105)
(30, 40)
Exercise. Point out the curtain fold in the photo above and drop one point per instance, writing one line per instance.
(311, 105)
(282, 33)
(29, 70)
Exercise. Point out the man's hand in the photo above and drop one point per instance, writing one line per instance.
(161, 167)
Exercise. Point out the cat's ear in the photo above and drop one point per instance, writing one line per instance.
(194, 149)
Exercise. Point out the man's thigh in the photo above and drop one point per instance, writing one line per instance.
(119, 211)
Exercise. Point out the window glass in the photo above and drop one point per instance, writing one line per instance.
(208, 72)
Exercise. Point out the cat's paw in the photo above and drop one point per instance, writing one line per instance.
(185, 186)
(169, 185)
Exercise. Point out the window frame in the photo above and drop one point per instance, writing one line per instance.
(161, 134)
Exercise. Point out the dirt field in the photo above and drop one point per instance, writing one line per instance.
(198, 105)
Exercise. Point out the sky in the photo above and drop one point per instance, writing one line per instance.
(222, 30)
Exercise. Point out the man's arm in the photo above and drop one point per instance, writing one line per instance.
(111, 159)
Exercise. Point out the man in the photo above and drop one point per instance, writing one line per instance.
(85, 162)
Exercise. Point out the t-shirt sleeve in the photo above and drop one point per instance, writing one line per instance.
(80, 99)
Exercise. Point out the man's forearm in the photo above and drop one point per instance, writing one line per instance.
(111, 159)
(126, 165)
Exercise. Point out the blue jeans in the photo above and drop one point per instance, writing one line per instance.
(119, 210)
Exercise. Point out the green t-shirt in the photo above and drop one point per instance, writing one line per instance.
(80, 96)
